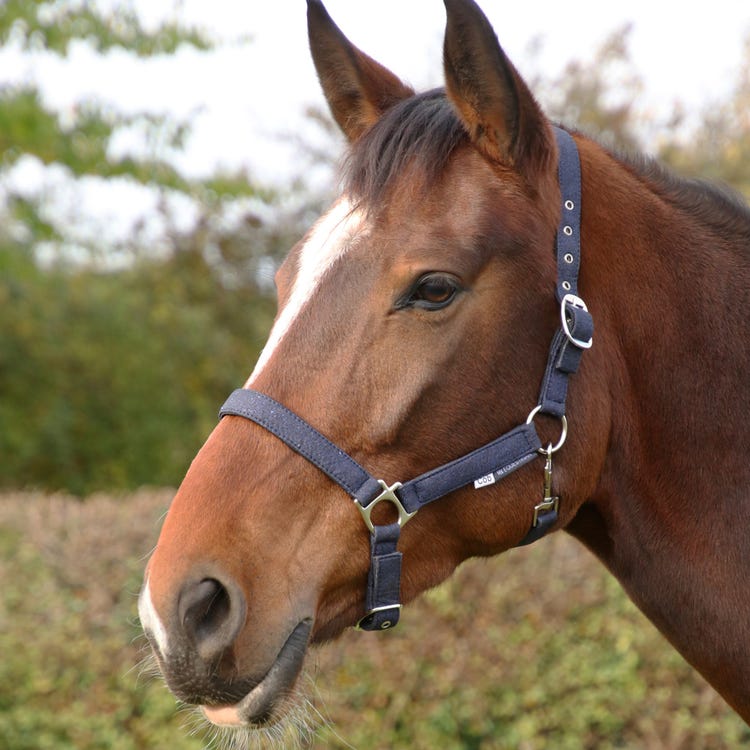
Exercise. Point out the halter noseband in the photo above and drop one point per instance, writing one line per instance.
(483, 466)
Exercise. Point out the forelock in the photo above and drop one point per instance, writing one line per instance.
(418, 135)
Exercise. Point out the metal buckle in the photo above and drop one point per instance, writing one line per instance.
(549, 502)
(387, 495)
(574, 301)
(385, 624)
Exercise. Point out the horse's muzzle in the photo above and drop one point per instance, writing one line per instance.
(259, 706)
(196, 643)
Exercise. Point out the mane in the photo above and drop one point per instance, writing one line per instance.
(714, 204)
(418, 133)
(422, 132)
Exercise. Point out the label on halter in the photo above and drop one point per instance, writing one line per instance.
(489, 479)
(484, 481)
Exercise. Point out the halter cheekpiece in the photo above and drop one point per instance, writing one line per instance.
(483, 466)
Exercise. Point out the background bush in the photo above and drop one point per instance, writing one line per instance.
(112, 380)
(536, 649)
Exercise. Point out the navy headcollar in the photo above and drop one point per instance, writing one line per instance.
(483, 466)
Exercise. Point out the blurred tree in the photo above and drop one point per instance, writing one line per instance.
(110, 372)
(111, 380)
(599, 97)
(79, 142)
(112, 363)
(54, 26)
(717, 147)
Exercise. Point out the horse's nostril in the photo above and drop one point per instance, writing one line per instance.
(212, 615)
(207, 606)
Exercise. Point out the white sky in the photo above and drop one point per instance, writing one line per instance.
(685, 51)
(247, 94)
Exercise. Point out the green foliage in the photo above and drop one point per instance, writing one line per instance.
(80, 141)
(538, 649)
(54, 25)
(111, 380)
(68, 634)
(27, 127)
(113, 358)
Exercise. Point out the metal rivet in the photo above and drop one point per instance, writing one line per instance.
(386, 625)
(566, 286)
(570, 205)
(568, 258)
(568, 230)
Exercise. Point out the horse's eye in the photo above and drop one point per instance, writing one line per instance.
(433, 291)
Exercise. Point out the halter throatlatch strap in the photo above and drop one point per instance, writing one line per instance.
(576, 324)
(483, 466)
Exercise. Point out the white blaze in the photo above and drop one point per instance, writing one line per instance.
(150, 620)
(329, 240)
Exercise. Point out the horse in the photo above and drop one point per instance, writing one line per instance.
(413, 333)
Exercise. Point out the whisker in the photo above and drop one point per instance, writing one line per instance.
(322, 714)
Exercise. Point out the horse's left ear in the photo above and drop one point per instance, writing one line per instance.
(358, 89)
(497, 108)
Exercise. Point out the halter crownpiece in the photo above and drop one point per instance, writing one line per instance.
(483, 466)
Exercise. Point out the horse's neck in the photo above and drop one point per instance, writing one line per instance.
(671, 514)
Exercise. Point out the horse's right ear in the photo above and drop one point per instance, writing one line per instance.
(358, 89)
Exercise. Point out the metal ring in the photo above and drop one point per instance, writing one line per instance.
(387, 495)
(566, 286)
(568, 258)
(563, 434)
(570, 205)
(568, 230)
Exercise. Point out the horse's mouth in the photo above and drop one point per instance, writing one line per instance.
(263, 705)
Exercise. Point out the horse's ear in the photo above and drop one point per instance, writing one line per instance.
(495, 105)
(358, 89)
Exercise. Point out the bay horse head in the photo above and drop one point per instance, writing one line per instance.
(414, 328)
